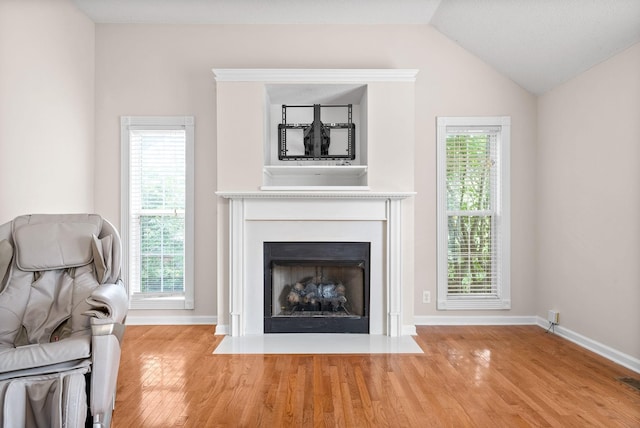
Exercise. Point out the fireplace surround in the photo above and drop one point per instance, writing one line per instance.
(259, 217)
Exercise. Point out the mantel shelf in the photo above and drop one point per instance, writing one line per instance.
(335, 170)
(307, 194)
(287, 177)
(315, 188)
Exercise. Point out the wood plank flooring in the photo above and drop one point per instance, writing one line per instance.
(503, 376)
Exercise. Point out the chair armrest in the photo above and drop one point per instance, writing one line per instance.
(105, 357)
(109, 303)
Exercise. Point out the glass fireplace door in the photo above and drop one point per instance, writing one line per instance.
(316, 287)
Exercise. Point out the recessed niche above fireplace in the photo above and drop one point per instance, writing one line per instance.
(289, 117)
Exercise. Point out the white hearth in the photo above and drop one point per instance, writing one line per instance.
(258, 217)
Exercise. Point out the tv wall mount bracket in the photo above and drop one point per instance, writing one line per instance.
(316, 136)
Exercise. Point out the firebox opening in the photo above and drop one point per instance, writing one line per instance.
(318, 287)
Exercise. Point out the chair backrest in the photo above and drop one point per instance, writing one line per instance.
(56, 261)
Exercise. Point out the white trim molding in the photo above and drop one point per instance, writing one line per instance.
(475, 320)
(409, 330)
(316, 195)
(294, 75)
(222, 330)
(171, 320)
(128, 123)
(601, 349)
(500, 298)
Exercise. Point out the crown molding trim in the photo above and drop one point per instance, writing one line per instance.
(294, 75)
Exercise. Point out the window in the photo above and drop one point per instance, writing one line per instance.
(473, 213)
(157, 211)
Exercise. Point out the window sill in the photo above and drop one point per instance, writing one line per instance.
(155, 302)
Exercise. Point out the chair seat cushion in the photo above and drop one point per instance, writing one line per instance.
(44, 354)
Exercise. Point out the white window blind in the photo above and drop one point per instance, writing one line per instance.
(157, 201)
(471, 214)
(158, 211)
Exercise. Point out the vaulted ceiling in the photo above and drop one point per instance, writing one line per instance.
(537, 43)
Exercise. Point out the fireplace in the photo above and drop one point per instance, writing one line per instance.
(316, 287)
(256, 218)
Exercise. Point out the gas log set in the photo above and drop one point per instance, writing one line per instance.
(314, 294)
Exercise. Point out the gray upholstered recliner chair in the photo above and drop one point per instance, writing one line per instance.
(62, 311)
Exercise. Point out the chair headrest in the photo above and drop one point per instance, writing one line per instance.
(51, 241)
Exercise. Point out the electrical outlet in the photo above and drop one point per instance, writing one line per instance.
(553, 317)
(426, 297)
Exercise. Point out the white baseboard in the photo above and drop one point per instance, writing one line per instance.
(222, 330)
(605, 351)
(409, 330)
(171, 320)
(474, 320)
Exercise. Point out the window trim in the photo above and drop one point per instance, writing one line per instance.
(503, 298)
(127, 123)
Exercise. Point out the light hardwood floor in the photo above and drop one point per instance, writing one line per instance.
(503, 376)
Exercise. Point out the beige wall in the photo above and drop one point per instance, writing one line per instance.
(46, 108)
(166, 70)
(589, 203)
(453, 82)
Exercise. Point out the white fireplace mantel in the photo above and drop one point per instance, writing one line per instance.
(257, 217)
(313, 194)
